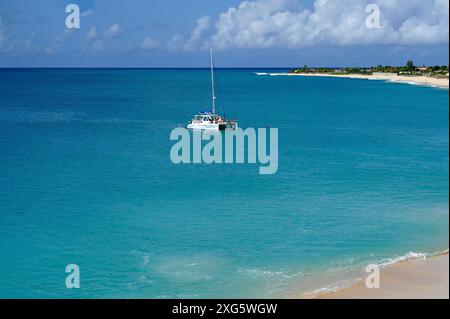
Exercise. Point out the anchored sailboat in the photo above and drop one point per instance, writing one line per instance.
(211, 120)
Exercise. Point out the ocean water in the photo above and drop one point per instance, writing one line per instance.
(86, 179)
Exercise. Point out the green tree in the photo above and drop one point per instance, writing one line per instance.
(410, 65)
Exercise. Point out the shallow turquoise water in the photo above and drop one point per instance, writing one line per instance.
(86, 178)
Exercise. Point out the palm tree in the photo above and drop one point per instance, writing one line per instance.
(410, 65)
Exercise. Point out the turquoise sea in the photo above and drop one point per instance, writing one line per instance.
(86, 179)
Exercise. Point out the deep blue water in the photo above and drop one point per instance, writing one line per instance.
(86, 178)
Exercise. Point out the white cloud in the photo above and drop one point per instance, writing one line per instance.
(100, 41)
(93, 42)
(149, 43)
(92, 34)
(87, 13)
(284, 23)
(178, 42)
(2, 33)
(28, 44)
(19, 44)
(113, 31)
(203, 25)
(98, 45)
(58, 41)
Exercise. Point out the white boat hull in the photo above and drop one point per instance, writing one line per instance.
(211, 126)
(202, 126)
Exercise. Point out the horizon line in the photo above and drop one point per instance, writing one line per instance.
(191, 67)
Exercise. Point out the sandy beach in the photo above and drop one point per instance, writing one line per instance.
(418, 80)
(417, 279)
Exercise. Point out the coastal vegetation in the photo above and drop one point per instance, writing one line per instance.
(408, 69)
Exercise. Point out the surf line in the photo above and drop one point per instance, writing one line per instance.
(228, 147)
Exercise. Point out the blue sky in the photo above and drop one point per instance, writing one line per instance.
(178, 33)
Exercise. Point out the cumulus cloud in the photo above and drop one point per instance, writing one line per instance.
(98, 45)
(58, 41)
(113, 31)
(22, 44)
(148, 43)
(93, 41)
(99, 41)
(203, 25)
(178, 42)
(87, 13)
(285, 23)
(2, 33)
(28, 44)
(92, 34)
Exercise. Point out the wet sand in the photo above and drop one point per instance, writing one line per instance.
(418, 279)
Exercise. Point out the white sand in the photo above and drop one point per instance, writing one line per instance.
(418, 279)
(419, 80)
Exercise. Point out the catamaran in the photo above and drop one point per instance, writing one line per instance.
(211, 120)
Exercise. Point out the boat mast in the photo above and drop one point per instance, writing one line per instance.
(212, 83)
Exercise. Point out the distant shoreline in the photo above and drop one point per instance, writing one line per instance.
(416, 80)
